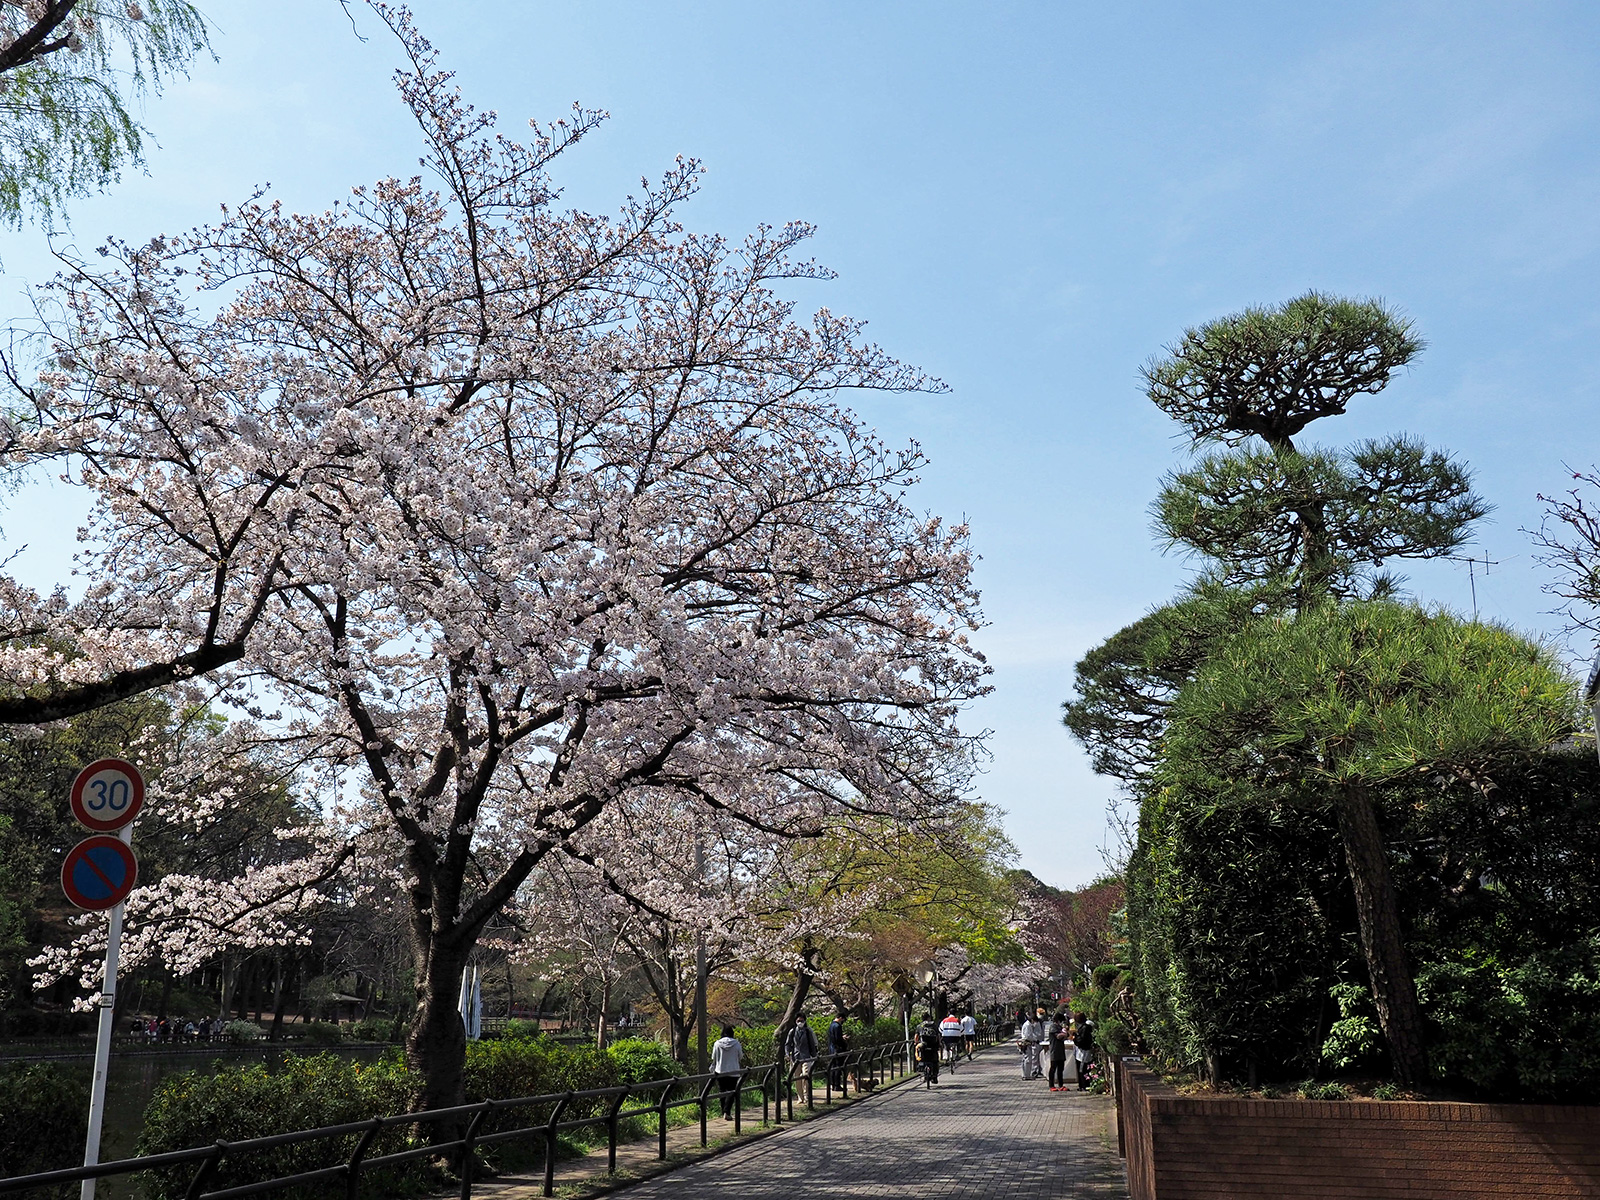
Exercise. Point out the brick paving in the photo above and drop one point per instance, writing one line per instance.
(982, 1133)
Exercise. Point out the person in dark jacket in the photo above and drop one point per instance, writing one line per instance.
(1058, 1032)
(802, 1051)
(928, 1046)
(838, 1043)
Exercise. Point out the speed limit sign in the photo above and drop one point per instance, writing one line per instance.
(107, 794)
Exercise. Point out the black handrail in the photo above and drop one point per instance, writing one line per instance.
(880, 1061)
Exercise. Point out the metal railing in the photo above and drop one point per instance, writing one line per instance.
(775, 1081)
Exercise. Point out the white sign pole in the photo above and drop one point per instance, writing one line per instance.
(102, 1044)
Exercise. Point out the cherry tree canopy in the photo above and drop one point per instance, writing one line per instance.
(514, 512)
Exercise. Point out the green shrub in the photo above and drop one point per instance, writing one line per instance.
(243, 1031)
(638, 1061)
(1518, 1027)
(1387, 1091)
(44, 1112)
(321, 1033)
(1323, 1091)
(375, 1029)
(1355, 1036)
(193, 1109)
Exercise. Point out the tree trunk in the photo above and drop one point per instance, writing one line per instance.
(1393, 989)
(280, 997)
(791, 1011)
(436, 1045)
(166, 995)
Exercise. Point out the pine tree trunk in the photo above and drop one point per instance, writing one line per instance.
(1393, 989)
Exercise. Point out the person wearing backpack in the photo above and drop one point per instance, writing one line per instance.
(928, 1045)
(1083, 1043)
(802, 1050)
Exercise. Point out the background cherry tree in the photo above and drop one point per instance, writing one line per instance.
(512, 514)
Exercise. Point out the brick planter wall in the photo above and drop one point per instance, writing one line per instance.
(1212, 1148)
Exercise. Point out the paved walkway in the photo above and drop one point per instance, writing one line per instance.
(982, 1133)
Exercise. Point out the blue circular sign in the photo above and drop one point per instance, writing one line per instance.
(99, 873)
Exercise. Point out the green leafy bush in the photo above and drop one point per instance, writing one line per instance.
(1355, 1036)
(43, 1116)
(243, 1031)
(1323, 1091)
(321, 1033)
(234, 1104)
(374, 1029)
(638, 1061)
(1517, 1027)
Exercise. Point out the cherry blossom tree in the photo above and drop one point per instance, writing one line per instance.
(515, 514)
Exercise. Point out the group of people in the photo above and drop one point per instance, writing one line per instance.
(801, 1049)
(955, 1035)
(163, 1031)
(1044, 1039)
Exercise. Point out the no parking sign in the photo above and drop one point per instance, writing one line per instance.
(99, 873)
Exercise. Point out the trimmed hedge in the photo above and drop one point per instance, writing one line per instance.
(1243, 934)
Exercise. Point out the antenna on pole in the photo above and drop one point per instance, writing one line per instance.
(1472, 577)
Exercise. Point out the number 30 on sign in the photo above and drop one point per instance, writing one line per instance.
(107, 794)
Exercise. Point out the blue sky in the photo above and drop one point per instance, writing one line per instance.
(1028, 201)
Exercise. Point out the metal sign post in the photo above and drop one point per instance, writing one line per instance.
(106, 797)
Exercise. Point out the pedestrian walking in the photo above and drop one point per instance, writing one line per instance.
(726, 1053)
(838, 1043)
(802, 1051)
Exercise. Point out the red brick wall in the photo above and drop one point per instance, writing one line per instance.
(1204, 1148)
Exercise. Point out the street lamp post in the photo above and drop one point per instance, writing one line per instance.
(926, 973)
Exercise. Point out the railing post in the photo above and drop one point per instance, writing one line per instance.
(467, 1142)
(661, 1109)
(550, 1144)
(207, 1169)
(705, 1090)
(611, 1130)
(770, 1077)
(352, 1178)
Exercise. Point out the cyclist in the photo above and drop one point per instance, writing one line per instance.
(950, 1031)
(969, 1032)
(928, 1051)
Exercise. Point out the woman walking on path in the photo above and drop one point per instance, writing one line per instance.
(725, 1054)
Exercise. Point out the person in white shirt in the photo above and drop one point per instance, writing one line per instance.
(950, 1032)
(725, 1055)
(1028, 1039)
(969, 1033)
